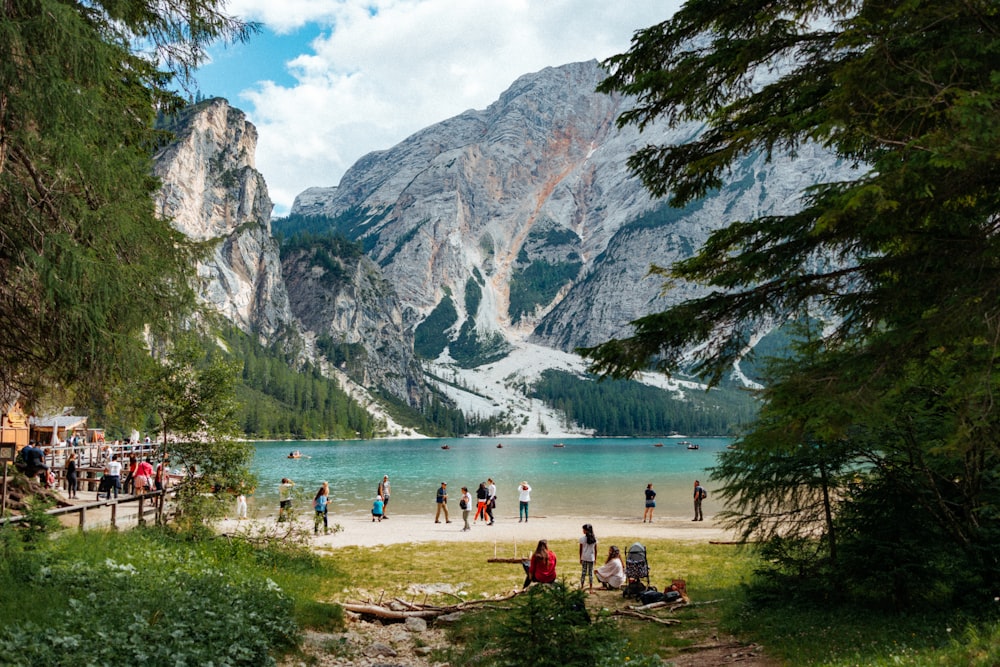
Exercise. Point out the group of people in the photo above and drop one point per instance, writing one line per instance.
(486, 502)
(485, 505)
(699, 495)
(140, 476)
(321, 503)
(541, 567)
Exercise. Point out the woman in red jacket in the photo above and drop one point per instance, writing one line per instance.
(542, 567)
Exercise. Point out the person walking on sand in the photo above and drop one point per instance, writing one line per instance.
(466, 506)
(699, 495)
(588, 554)
(481, 496)
(285, 498)
(321, 502)
(650, 503)
(523, 498)
(442, 503)
(383, 490)
(491, 498)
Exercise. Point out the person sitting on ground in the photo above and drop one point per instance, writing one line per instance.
(541, 567)
(612, 573)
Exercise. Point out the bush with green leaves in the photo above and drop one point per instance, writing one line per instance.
(549, 626)
(151, 603)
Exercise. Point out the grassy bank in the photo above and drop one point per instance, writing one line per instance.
(178, 601)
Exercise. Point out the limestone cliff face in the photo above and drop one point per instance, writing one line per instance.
(341, 306)
(211, 190)
(532, 198)
(342, 298)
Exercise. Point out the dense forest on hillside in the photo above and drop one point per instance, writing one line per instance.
(629, 408)
(278, 401)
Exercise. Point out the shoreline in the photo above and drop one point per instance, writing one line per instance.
(510, 537)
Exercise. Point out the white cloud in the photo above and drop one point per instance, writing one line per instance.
(383, 69)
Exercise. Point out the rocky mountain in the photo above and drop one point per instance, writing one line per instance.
(519, 227)
(212, 191)
(491, 244)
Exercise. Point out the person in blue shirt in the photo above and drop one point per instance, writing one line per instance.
(320, 504)
(378, 509)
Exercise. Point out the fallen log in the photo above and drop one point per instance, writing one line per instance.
(417, 610)
(505, 560)
(385, 612)
(645, 617)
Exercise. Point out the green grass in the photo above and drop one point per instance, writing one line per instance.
(145, 582)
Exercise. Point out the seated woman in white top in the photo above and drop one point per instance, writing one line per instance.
(612, 573)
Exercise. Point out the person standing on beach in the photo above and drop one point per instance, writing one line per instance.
(588, 554)
(241, 506)
(523, 498)
(481, 496)
(466, 506)
(650, 503)
(320, 503)
(383, 490)
(491, 498)
(699, 495)
(285, 498)
(442, 503)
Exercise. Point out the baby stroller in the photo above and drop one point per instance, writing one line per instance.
(636, 570)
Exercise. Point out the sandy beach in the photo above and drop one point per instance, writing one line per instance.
(511, 538)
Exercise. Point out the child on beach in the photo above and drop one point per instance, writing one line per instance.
(378, 509)
(588, 554)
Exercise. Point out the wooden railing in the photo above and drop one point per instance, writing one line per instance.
(149, 504)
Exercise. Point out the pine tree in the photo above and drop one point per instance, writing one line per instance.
(903, 259)
(85, 263)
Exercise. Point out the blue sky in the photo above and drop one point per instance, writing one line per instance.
(328, 81)
(237, 67)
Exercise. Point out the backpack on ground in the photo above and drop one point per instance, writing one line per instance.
(650, 595)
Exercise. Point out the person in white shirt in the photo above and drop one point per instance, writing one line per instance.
(588, 554)
(612, 573)
(491, 498)
(113, 470)
(523, 498)
(466, 505)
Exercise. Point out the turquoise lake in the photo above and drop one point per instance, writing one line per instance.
(602, 477)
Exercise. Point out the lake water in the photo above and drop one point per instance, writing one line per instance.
(602, 477)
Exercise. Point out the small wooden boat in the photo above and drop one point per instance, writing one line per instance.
(658, 444)
(559, 444)
(691, 445)
(499, 446)
(445, 447)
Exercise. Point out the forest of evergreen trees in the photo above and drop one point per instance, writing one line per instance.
(629, 408)
(279, 402)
